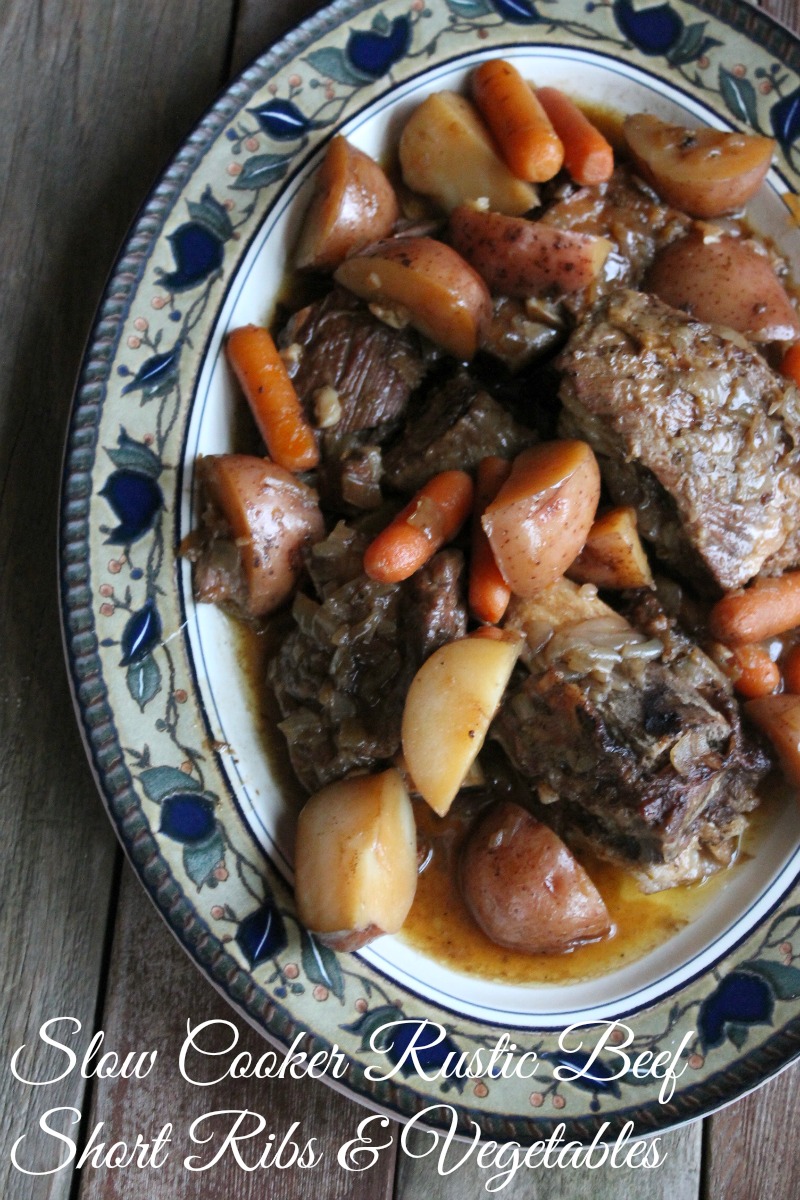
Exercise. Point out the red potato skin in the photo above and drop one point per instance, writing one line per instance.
(779, 718)
(540, 519)
(525, 889)
(353, 205)
(521, 258)
(272, 517)
(725, 283)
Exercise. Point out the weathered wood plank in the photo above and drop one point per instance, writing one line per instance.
(94, 95)
(753, 1147)
(149, 975)
(783, 10)
(259, 25)
(676, 1178)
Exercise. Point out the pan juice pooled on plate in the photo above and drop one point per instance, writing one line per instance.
(532, 491)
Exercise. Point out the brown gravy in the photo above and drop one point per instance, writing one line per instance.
(440, 925)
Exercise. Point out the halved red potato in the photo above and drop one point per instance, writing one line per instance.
(355, 868)
(425, 283)
(258, 520)
(447, 153)
(540, 519)
(725, 282)
(353, 204)
(523, 258)
(525, 889)
(613, 556)
(449, 707)
(704, 172)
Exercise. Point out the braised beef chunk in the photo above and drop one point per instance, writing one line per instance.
(354, 375)
(337, 343)
(341, 676)
(521, 332)
(452, 428)
(629, 214)
(643, 760)
(693, 428)
(434, 611)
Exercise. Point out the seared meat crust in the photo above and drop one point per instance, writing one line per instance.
(693, 428)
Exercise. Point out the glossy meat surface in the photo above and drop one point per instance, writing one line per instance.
(693, 429)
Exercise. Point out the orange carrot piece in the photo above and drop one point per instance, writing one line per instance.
(791, 671)
(489, 593)
(768, 607)
(588, 157)
(431, 519)
(753, 672)
(273, 401)
(790, 363)
(523, 131)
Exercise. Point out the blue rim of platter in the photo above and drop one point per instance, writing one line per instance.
(746, 1000)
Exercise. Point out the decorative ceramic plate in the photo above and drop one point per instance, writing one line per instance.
(169, 722)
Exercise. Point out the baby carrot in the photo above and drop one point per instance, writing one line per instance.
(273, 401)
(790, 363)
(489, 593)
(587, 155)
(521, 127)
(768, 607)
(753, 672)
(791, 671)
(433, 517)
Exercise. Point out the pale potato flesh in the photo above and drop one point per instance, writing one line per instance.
(703, 172)
(449, 707)
(425, 283)
(356, 860)
(525, 889)
(447, 152)
(540, 519)
(613, 556)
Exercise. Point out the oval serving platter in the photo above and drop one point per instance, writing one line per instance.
(198, 798)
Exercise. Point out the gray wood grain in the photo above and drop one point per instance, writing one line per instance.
(753, 1147)
(152, 989)
(787, 11)
(676, 1178)
(259, 25)
(93, 96)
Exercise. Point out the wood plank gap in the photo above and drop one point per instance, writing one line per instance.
(705, 1158)
(99, 1011)
(228, 71)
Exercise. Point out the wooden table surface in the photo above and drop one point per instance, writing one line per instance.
(95, 96)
